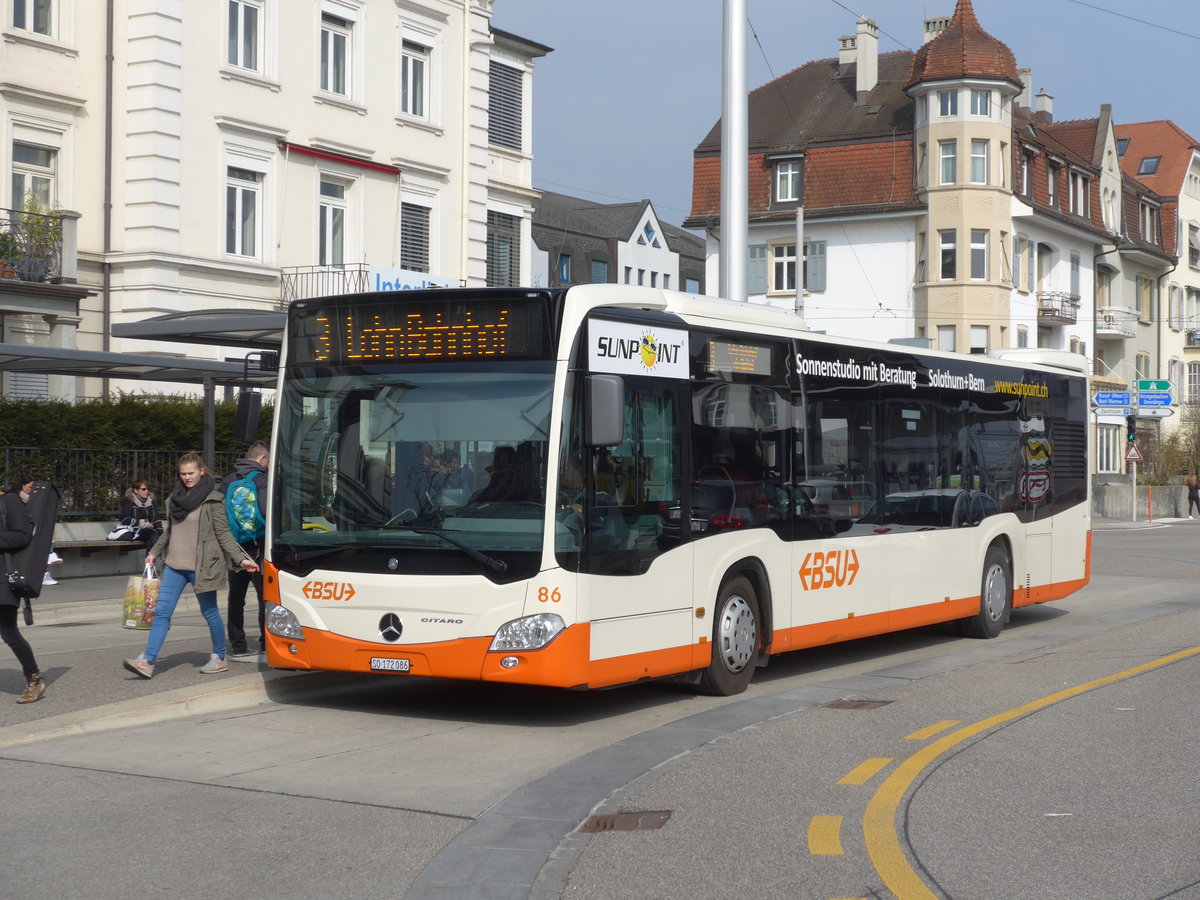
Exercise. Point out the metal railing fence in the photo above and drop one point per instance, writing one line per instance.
(93, 482)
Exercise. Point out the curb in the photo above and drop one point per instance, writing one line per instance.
(89, 611)
(236, 692)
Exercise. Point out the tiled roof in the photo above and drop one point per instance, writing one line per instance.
(588, 226)
(819, 102)
(876, 174)
(963, 50)
(1078, 135)
(1164, 139)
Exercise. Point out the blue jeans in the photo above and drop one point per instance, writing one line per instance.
(169, 593)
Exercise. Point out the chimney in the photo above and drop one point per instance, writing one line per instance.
(1025, 98)
(1045, 106)
(867, 43)
(935, 26)
(846, 52)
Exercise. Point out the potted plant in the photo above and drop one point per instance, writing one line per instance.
(39, 236)
(9, 252)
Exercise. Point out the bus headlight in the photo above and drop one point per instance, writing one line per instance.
(282, 622)
(529, 633)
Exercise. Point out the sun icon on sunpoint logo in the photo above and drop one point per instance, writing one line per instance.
(648, 347)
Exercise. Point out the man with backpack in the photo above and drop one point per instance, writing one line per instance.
(245, 490)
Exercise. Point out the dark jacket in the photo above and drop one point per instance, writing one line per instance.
(16, 535)
(138, 516)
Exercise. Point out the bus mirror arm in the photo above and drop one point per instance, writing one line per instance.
(605, 410)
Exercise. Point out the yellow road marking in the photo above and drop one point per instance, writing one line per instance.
(879, 821)
(931, 730)
(824, 836)
(864, 772)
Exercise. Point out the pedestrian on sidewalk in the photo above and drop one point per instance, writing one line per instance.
(243, 509)
(1193, 495)
(16, 532)
(196, 548)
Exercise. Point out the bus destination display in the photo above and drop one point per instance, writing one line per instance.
(745, 359)
(420, 332)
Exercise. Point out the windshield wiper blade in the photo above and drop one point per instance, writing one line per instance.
(294, 555)
(496, 565)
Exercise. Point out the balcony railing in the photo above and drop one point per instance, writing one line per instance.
(301, 282)
(31, 246)
(1058, 306)
(1116, 321)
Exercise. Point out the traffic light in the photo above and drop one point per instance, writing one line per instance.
(1131, 428)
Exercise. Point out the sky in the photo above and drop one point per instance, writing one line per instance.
(632, 86)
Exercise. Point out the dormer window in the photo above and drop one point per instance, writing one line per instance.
(787, 181)
(1052, 184)
(1122, 145)
(1150, 222)
(1080, 189)
(947, 103)
(1149, 165)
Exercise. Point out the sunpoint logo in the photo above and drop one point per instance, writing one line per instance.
(834, 568)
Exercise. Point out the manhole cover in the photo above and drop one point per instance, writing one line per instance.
(629, 821)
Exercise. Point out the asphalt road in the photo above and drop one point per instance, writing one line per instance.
(991, 769)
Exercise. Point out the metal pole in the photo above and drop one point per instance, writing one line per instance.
(735, 204)
(800, 257)
(210, 421)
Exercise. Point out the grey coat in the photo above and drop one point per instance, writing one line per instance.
(217, 546)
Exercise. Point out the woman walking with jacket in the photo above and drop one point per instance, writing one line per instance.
(16, 531)
(196, 549)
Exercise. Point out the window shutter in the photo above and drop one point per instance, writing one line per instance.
(504, 106)
(756, 270)
(503, 250)
(414, 237)
(815, 271)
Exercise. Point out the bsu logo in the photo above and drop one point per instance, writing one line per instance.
(835, 568)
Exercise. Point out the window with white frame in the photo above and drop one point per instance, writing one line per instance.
(505, 99)
(1145, 295)
(1175, 371)
(414, 237)
(1194, 245)
(1191, 184)
(33, 172)
(1076, 274)
(1150, 223)
(243, 201)
(1017, 252)
(1104, 277)
(787, 181)
(922, 162)
(335, 54)
(979, 339)
(814, 266)
(244, 38)
(1193, 383)
(504, 250)
(331, 223)
(979, 161)
(1109, 447)
(979, 254)
(948, 154)
(1022, 336)
(414, 79)
(947, 103)
(922, 258)
(783, 267)
(946, 339)
(981, 103)
(1052, 184)
(948, 241)
(1142, 365)
(1005, 267)
(1002, 172)
(36, 16)
(1026, 174)
(1080, 188)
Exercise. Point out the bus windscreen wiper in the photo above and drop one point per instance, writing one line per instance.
(294, 555)
(496, 565)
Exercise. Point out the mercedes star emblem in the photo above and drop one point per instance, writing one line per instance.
(390, 628)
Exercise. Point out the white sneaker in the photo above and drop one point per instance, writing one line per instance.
(48, 579)
(54, 559)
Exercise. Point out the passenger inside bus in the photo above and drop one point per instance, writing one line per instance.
(511, 479)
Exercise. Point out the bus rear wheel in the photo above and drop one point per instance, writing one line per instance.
(735, 640)
(995, 597)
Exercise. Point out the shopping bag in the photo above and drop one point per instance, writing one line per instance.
(141, 595)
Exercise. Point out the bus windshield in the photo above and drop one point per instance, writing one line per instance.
(421, 468)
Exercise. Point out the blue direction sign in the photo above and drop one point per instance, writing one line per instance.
(1155, 398)
(1111, 398)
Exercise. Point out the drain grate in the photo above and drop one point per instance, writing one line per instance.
(856, 704)
(629, 821)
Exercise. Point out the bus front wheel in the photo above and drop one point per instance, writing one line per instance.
(995, 597)
(735, 640)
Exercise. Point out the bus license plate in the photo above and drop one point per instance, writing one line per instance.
(386, 664)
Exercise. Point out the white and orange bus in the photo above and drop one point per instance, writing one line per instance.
(596, 486)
